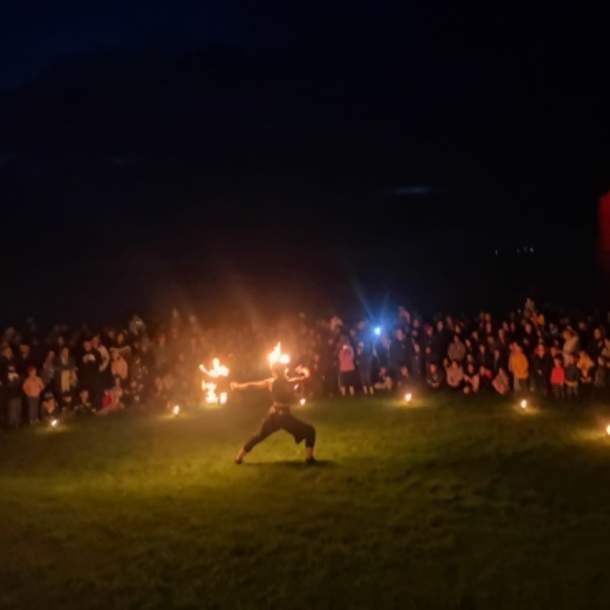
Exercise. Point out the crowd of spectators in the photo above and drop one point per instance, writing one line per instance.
(80, 371)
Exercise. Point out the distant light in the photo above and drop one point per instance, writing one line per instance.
(54, 423)
(303, 401)
(223, 398)
(176, 410)
(408, 397)
(523, 404)
(608, 429)
(496, 252)
(377, 330)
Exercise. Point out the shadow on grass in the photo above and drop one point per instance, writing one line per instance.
(291, 464)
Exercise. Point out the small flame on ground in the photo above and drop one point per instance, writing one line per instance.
(408, 397)
(302, 401)
(176, 410)
(523, 404)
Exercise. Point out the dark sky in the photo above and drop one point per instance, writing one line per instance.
(350, 139)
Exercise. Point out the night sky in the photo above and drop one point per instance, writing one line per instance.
(362, 151)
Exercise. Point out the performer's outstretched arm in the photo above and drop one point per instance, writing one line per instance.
(257, 385)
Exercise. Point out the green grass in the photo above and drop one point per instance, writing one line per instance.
(449, 503)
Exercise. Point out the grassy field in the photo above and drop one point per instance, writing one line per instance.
(448, 503)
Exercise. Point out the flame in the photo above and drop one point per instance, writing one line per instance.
(217, 370)
(276, 356)
(209, 387)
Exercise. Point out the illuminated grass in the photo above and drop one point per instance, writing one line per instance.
(442, 503)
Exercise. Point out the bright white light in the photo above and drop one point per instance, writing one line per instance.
(176, 410)
(54, 423)
(408, 397)
(377, 330)
(223, 398)
(302, 402)
(608, 429)
(523, 404)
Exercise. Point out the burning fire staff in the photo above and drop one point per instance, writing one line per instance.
(279, 416)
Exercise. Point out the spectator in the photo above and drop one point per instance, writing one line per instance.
(12, 386)
(541, 370)
(347, 368)
(454, 373)
(501, 382)
(558, 378)
(572, 377)
(434, 378)
(472, 380)
(33, 386)
(118, 364)
(364, 364)
(456, 350)
(519, 367)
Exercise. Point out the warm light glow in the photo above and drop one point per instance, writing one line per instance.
(209, 387)
(408, 397)
(217, 370)
(608, 429)
(302, 402)
(276, 356)
(523, 404)
(176, 410)
(54, 423)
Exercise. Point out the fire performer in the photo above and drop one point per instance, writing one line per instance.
(279, 416)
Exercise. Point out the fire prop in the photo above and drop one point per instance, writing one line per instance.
(211, 385)
(276, 356)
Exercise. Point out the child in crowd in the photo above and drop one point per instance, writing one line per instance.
(49, 405)
(454, 374)
(558, 378)
(501, 382)
(435, 377)
(472, 380)
(33, 386)
(84, 406)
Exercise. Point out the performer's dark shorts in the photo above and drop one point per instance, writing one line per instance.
(280, 418)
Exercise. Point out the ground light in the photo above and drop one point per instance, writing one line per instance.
(303, 401)
(523, 404)
(408, 397)
(176, 410)
(608, 429)
(54, 423)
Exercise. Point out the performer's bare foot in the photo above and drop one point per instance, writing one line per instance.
(240, 456)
